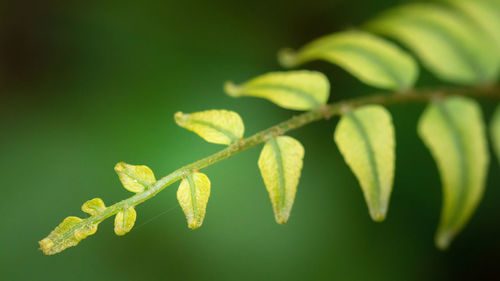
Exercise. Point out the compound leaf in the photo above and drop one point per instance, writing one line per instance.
(371, 59)
(453, 130)
(94, 207)
(135, 178)
(125, 220)
(298, 90)
(193, 194)
(67, 234)
(215, 126)
(365, 138)
(280, 164)
(445, 41)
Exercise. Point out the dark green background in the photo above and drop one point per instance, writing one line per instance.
(87, 84)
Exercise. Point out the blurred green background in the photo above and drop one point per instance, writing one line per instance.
(87, 84)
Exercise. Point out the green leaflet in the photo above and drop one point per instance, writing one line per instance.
(125, 220)
(135, 178)
(193, 194)
(215, 126)
(445, 41)
(67, 234)
(486, 13)
(495, 132)
(94, 207)
(369, 58)
(453, 130)
(298, 90)
(365, 138)
(280, 164)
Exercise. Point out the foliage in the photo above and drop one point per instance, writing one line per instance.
(456, 40)
(365, 137)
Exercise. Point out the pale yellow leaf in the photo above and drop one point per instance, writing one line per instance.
(94, 207)
(280, 165)
(365, 137)
(215, 126)
(299, 90)
(373, 60)
(193, 194)
(453, 130)
(67, 234)
(135, 178)
(125, 220)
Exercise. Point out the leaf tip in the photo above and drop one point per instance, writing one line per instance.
(232, 89)
(281, 219)
(194, 224)
(46, 245)
(377, 210)
(443, 240)
(180, 118)
(119, 232)
(120, 166)
(287, 58)
(378, 216)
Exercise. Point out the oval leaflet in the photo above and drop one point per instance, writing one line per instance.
(193, 194)
(373, 60)
(215, 126)
(94, 207)
(125, 220)
(67, 234)
(453, 131)
(135, 178)
(298, 90)
(365, 137)
(280, 165)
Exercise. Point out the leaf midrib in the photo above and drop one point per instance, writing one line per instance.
(297, 92)
(370, 154)
(219, 129)
(281, 177)
(448, 35)
(381, 63)
(138, 180)
(463, 166)
(192, 189)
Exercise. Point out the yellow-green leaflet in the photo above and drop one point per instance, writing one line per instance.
(193, 194)
(446, 42)
(453, 130)
(280, 164)
(125, 220)
(215, 126)
(67, 234)
(365, 138)
(486, 13)
(298, 90)
(495, 132)
(94, 207)
(371, 59)
(135, 178)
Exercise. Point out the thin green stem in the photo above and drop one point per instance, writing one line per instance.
(324, 112)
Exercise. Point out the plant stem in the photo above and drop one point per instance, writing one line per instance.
(324, 112)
